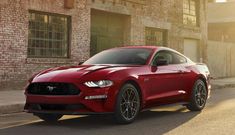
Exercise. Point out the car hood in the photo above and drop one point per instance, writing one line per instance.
(73, 72)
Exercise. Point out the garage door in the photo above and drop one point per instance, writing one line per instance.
(107, 30)
(232, 61)
(191, 49)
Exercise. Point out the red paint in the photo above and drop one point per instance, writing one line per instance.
(158, 85)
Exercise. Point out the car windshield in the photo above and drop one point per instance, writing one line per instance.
(127, 56)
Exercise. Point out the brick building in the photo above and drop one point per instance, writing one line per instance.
(39, 34)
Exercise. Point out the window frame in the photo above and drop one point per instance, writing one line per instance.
(197, 13)
(164, 36)
(171, 52)
(69, 29)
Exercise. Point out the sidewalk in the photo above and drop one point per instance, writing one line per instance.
(13, 100)
(223, 83)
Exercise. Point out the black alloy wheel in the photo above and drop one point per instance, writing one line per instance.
(198, 97)
(128, 104)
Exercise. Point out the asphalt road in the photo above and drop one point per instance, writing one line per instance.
(218, 118)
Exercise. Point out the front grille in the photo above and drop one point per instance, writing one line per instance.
(54, 107)
(52, 89)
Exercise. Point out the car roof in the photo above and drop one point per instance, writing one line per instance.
(140, 46)
(145, 47)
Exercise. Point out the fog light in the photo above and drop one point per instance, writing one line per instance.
(96, 97)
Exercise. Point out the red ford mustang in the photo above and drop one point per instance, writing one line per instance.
(123, 81)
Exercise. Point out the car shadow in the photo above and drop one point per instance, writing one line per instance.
(148, 122)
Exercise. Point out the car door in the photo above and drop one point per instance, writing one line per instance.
(184, 73)
(165, 80)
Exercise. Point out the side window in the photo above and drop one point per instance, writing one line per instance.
(163, 55)
(169, 57)
(178, 59)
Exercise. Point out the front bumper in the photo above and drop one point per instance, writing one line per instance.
(89, 101)
(68, 109)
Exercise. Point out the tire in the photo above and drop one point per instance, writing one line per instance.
(198, 97)
(49, 117)
(127, 104)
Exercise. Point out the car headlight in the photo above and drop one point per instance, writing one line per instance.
(101, 83)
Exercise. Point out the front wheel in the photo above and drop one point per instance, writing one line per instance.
(198, 97)
(49, 117)
(127, 105)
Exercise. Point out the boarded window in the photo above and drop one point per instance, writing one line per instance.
(108, 30)
(48, 35)
(154, 36)
(190, 12)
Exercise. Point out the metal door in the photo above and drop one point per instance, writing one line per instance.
(107, 30)
(191, 49)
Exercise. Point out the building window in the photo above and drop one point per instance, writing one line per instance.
(48, 35)
(154, 36)
(190, 12)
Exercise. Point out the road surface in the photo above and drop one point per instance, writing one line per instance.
(218, 118)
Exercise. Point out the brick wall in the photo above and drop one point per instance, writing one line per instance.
(15, 67)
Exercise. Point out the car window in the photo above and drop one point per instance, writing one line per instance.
(164, 55)
(178, 59)
(170, 57)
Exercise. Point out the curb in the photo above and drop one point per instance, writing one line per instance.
(223, 86)
(12, 108)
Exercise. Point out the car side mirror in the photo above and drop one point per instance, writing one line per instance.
(80, 63)
(161, 62)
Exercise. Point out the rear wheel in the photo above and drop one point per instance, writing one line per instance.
(198, 97)
(49, 117)
(127, 105)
